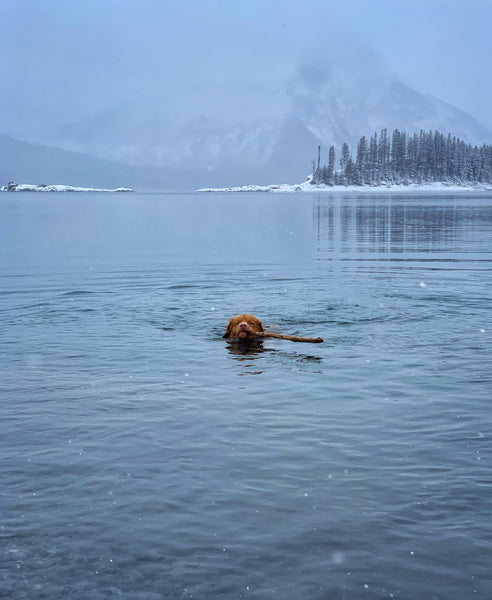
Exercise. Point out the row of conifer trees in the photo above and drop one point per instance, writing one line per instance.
(419, 158)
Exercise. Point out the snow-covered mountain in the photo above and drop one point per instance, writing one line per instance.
(245, 130)
(245, 127)
(338, 105)
(21, 161)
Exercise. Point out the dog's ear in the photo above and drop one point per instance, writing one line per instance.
(260, 326)
(228, 331)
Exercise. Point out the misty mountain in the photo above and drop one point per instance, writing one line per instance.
(339, 106)
(33, 163)
(234, 132)
(242, 131)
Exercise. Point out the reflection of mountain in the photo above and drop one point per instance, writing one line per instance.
(390, 229)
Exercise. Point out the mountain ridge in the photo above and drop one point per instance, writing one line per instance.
(229, 136)
(275, 127)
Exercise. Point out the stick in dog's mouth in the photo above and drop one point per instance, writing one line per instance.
(292, 338)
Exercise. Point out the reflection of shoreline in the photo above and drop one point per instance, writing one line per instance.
(389, 227)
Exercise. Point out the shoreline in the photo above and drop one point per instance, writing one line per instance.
(307, 186)
(28, 187)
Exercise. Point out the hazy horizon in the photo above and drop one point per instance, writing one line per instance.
(162, 83)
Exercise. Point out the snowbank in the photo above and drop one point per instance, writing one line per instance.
(283, 187)
(27, 187)
(307, 186)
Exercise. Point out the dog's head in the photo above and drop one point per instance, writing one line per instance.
(243, 327)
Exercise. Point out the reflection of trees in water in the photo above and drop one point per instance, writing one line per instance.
(388, 227)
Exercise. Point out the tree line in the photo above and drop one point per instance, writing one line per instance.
(423, 157)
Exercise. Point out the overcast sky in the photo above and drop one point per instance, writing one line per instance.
(61, 58)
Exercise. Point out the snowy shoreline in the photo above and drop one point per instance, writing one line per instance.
(307, 186)
(27, 187)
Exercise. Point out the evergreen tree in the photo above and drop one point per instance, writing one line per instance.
(398, 155)
(383, 155)
(422, 157)
(351, 173)
(412, 157)
(362, 161)
(331, 166)
(451, 157)
(343, 163)
(373, 160)
(440, 159)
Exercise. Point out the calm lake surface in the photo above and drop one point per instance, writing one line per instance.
(145, 458)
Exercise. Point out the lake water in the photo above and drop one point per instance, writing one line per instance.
(145, 458)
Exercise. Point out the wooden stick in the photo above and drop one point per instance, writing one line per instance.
(292, 338)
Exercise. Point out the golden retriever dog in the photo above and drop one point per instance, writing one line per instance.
(248, 327)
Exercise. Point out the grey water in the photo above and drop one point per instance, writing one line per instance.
(145, 457)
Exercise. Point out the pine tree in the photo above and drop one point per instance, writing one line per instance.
(343, 163)
(350, 173)
(440, 162)
(362, 161)
(398, 155)
(331, 166)
(451, 154)
(422, 157)
(412, 157)
(373, 160)
(383, 155)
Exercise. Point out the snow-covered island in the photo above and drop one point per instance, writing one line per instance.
(283, 187)
(424, 161)
(12, 186)
(309, 186)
